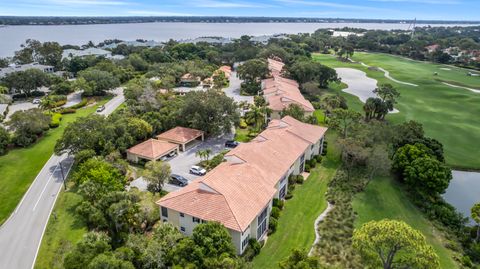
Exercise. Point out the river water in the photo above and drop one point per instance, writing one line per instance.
(463, 191)
(11, 37)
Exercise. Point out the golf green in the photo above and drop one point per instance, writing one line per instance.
(449, 114)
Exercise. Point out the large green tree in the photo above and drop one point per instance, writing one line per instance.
(27, 81)
(427, 176)
(4, 140)
(28, 125)
(344, 120)
(392, 244)
(99, 81)
(253, 70)
(299, 259)
(210, 111)
(100, 171)
(156, 174)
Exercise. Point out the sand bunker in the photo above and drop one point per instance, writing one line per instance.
(358, 84)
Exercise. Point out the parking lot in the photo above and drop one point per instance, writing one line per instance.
(181, 163)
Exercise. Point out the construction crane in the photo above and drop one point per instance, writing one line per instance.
(412, 26)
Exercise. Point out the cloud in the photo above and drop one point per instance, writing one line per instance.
(83, 2)
(225, 4)
(435, 2)
(328, 4)
(158, 13)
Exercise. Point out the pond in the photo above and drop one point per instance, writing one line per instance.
(464, 191)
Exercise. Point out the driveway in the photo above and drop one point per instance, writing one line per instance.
(19, 106)
(73, 99)
(233, 90)
(181, 164)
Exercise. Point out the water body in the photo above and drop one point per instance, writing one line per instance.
(464, 191)
(13, 36)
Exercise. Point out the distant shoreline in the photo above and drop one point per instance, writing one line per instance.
(54, 20)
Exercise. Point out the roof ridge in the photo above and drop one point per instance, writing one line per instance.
(233, 214)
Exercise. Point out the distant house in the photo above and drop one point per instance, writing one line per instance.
(16, 68)
(151, 150)
(280, 92)
(432, 48)
(239, 192)
(182, 136)
(71, 53)
(189, 80)
(134, 43)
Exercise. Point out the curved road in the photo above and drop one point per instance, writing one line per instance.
(21, 234)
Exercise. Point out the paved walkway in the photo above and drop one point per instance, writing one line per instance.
(461, 87)
(233, 90)
(21, 235)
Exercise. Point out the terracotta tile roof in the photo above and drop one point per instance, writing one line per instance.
(232, 194)
(152, 148)
(236, 191)
(226, 69)
(281, 92)
(180, 134)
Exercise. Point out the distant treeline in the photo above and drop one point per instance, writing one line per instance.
(16, 20)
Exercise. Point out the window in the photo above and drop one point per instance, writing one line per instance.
(197, 220)
(164, 212)
(283, 180)
(245, 242)
(204, 221)
(302, 158)
(182, 215)
(311, 148)
(262, 223)
(182, 228)
(282, 192)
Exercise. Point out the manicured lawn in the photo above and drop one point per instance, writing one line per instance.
(63, 230)
(295, 225)
(447, 114)
(19, 167)
(385, 199)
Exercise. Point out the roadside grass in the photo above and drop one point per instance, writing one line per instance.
(447, 114)
(296, 222)
(20, 166)
(64, 229)
(385, 199)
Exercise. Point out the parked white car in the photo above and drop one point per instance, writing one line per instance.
(197, 170)
(36, 101)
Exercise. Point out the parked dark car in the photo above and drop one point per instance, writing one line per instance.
(178, 180)
(231, 144)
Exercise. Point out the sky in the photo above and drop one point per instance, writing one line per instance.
(365, 9)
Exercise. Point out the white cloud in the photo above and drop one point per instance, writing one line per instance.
(435, 2)
(328, 4)
(84, 2)
(225, 4)
(157, 13)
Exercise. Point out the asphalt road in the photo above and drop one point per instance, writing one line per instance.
(21, 234)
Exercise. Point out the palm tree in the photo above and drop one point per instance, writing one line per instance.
(207, 153)
(369, 108)
(200, 154)
(257, 116)
(47, 103)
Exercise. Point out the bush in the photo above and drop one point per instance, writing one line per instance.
(291, 188)
(55, 121)
(278, 203)
(252, 250)
(33, 94)
(272, 225)
(288, 196)
(299, 179)
(307, 167)
(275, 213)
(243, 124)
(318, 158)
(292, 179)
(67, 110)
(252, 134)
(324, 152)
(83, 103)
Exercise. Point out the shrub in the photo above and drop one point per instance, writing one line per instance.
(55, 121)
(307, 167)
(324, 152)
(278, 203)
(243, 124)
(252, 134)
(60, 103)
(255, 245)
(299, 179)
(83, 103)
(288, 196)
(272, 225)
(275, 213)
(67, 110)
(291, 180)
(318, 158)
